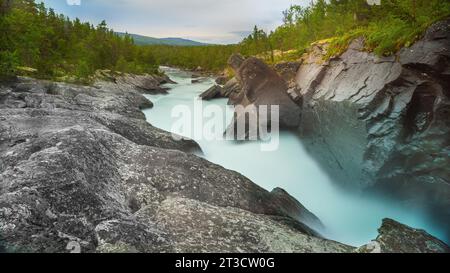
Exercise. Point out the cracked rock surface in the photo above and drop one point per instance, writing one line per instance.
(81, 170)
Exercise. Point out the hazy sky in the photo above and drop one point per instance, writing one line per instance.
(213, 21)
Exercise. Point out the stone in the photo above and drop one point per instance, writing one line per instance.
(231, 90)
(221, 80)
(146, 84)
(395, 237)
(261, 86)
(287, 70)
(212, 93)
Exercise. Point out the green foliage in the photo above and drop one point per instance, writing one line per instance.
(36, 37)
(62, 48)
(393, 25)
(386, 28)
(83, 71)
(8, 64)
(211, 57)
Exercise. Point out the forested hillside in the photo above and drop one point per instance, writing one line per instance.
(386, 28)
(145, 40)
(35, 40)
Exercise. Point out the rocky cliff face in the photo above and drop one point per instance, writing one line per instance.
(81, 170)
(383, 122)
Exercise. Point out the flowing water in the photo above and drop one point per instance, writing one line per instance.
(348, 217)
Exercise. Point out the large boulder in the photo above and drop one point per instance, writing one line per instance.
(395, 237)
(382, 123)
(261, 86)
(212, 93)
(82, 171)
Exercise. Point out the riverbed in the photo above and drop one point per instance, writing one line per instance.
(349, 217)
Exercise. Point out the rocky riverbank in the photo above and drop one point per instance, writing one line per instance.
(81, 170)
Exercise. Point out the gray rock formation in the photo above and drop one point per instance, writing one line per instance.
(287, 70)
(147, 84)
(383, 122)
(231, 90)
(222, 80)
(235, 62)
(397, 238)
(81, 170)
(212, 93)
(262, 86)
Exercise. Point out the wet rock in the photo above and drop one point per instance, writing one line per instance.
(221, 80)
(398, 238)
(164, 79)
(231, 90)
(382, 123)
(212, 93)
(261, 86)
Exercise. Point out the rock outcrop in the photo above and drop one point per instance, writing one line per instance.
(261, 86)
(212, 93)
(287, 70)
(231, 90)
(147, 84)
(81, 170)
(383, 123)
(397, 238)
(221, 80)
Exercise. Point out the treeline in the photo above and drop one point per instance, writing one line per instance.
(36, 40)
(211, 57)
(386, 28)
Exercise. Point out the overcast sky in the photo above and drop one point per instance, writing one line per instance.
(212, 21)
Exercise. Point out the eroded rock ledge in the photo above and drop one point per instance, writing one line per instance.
(80, 167)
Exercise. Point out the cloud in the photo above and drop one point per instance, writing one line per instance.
(73, 2)
(208, 20)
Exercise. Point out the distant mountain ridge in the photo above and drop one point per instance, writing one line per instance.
(145, 40)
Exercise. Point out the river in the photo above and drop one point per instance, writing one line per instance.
(348, 217)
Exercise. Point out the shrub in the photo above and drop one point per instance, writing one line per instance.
(8, 63)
